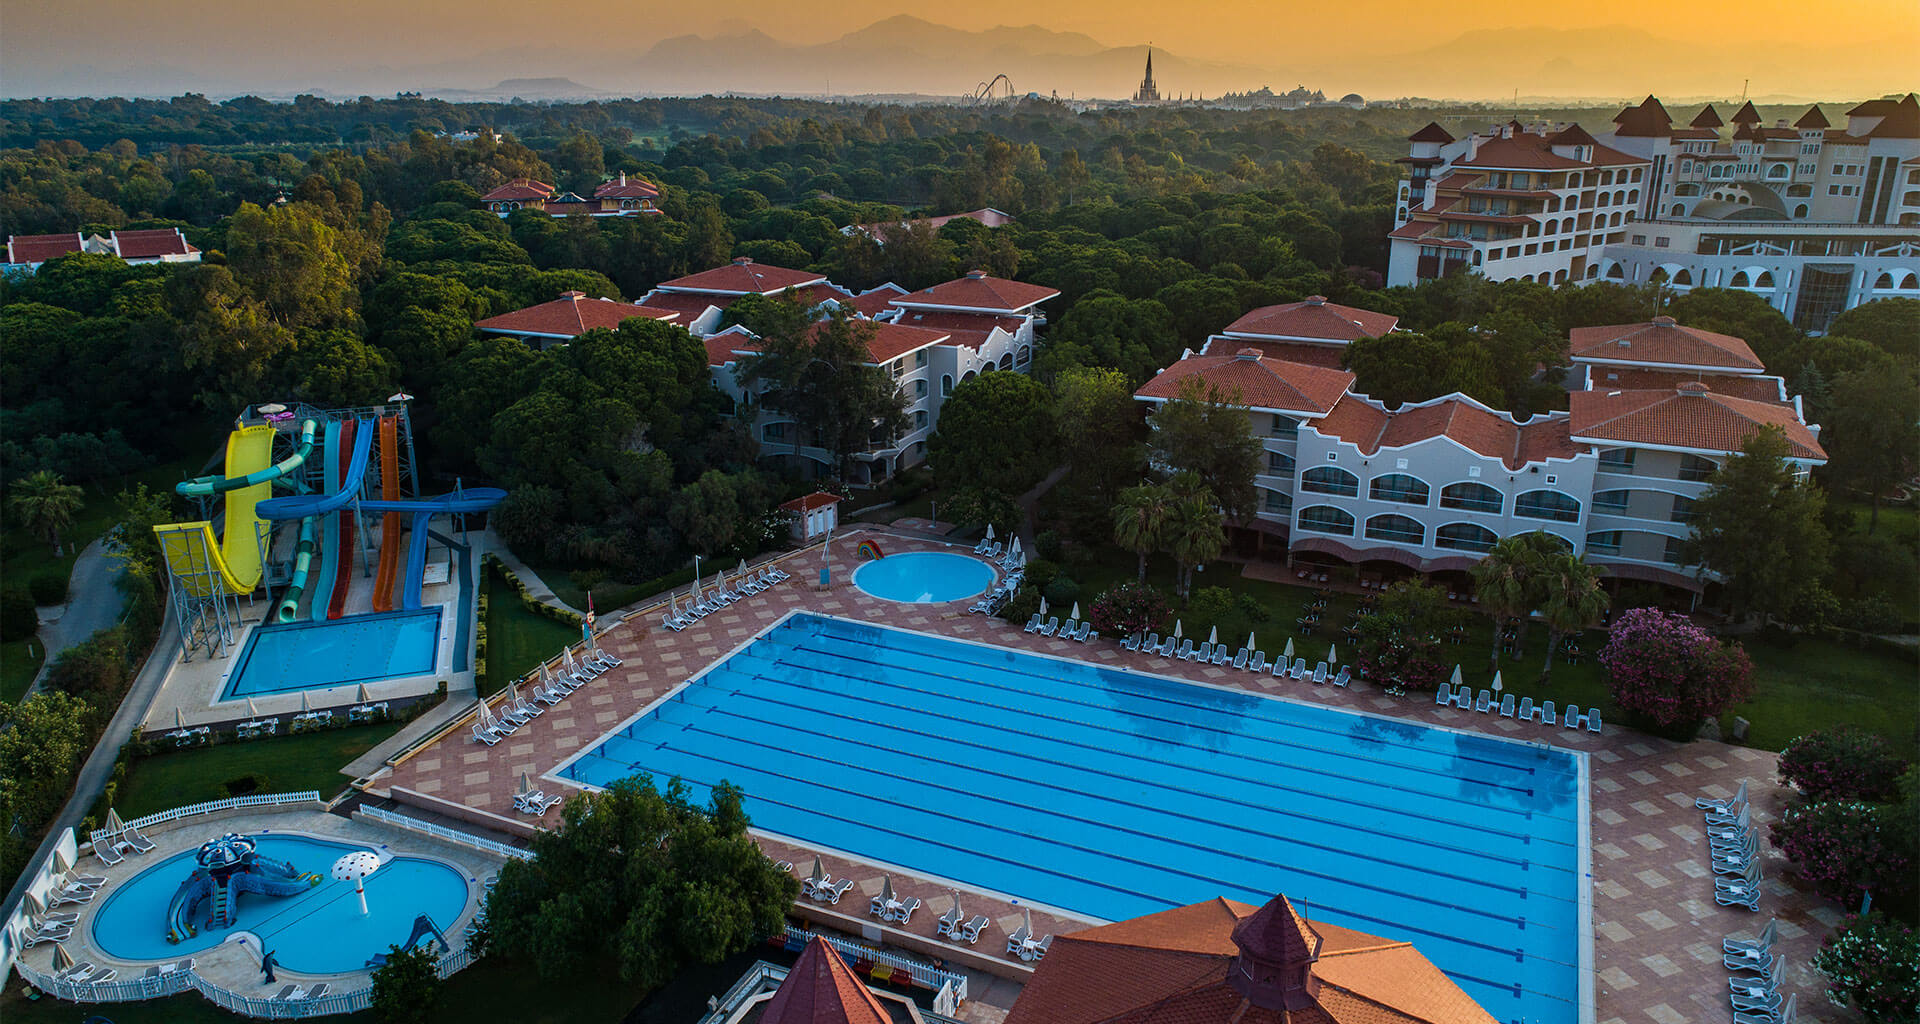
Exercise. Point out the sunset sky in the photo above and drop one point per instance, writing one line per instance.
(1837, 49)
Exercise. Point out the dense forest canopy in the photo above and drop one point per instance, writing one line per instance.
(345, 256)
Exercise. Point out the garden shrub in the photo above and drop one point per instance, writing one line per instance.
(18, 620)
(252, 782)
(1209, 605)
(1063, 591)
(1021, 606)
(1845, 763)
(1871, 614)
(1873, 965)
(1670, 674)
(1130, 608)
(1845, 848)
(1041, 571)
(1250, 607)
(48, 588)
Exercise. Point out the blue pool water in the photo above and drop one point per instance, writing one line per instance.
(320, 931)
(316, 655)
(924, 577)
(1114, 794)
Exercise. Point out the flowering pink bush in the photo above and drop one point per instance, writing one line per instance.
(1129, 608)
(1873, 965)
(1847, 763)
(1844, 848)
(1664, 669)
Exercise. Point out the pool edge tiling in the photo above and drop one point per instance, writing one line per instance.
(231, 687)
(1227, 792)
(982, 573)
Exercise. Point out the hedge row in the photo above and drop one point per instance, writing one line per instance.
(527, 600)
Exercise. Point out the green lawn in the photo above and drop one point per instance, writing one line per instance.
(288, 763)
(1799, 684)
(24, 556)
(1901, 525)
(517, 639)
(19, 663)
(484, 992)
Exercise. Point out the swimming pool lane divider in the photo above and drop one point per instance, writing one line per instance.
(816, 669)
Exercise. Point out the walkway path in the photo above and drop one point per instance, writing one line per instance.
(1029, 503)
(93, 775)
(93, 604)
(535, 585)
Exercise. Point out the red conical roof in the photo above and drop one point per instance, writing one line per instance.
(822, 989)
(1276, 933)
(1813, 118)
(1708, 118)
(1746, 114)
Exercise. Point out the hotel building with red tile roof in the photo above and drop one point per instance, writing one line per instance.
(1432, 485)
(1224, 962)
(929, 341)
(568, 317)
(986, 216)
(620, 196)
(25, 253)
(1812, 218)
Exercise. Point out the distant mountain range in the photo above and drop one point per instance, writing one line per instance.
(907, 55)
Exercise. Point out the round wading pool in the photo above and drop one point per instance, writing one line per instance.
(924, 577)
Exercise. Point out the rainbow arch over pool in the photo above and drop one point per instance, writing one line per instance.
(869, 549)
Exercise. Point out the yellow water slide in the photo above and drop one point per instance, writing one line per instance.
(233, 564)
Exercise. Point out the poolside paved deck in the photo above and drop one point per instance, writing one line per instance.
(1657, 931)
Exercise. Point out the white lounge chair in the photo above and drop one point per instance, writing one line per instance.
(1526, 709)
(1240, 659)
(1220, 655)
(1763, 943)
(1185, 653)
(1731, 805)
(832, 891)
(1085, 633)
(1546, 712)
(904, 914)
(948, 924)
(1443, 696)
(108, 850)
(1506, 706)
(1065, 632)
(1484, 701)
(1761, 988)
(1299, 668)
(87, 881)
(1131, 643)
(484, 734)
(1018, 940)
(969, 933)
(47, 933)
(1259, 663)
(1784, 1015)
(75, 894)
(1052, 626)
(1344, 676)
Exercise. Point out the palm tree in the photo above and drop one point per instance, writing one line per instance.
(1571, 599)
(1503, 581)
(1140, 521)
(45, 504)
(1195, 533)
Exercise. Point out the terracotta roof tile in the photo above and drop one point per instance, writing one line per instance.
(821, 989)
(571, 315)
(1746, 114)
(689, 305)
(1707, 118)
(1813, 118)
(874, 301)
(809, 502)
(979, 291)
(969, 329)
(1694, 419)
(1261, 383)
(1648, 120)
(1316, 319)
(1662, 343)
(743, 277)
(891, 340)
(40, 248)
(1310, 353)
(1753, 387)
(1370, 429)
(147, 244)
(519, 188)
(1431, 133)
(1355, 421)
(624, 187)
(1529, 152)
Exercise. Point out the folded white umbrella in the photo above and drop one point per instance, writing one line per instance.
(989, 531)
(306, 701)
(1333, 654)
(1176, 629)
(1043, 607)
(1251, 646)
(1456, 675)
(252, 711)
(1076, 611)
(526, 784)
(1213, 635)
(1496, 681)
(62, 960)
(362, 695)
(1288, 653)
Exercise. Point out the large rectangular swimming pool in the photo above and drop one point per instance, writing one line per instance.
(1112, 794)
(335, 652)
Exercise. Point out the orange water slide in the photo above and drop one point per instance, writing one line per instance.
(390, 524)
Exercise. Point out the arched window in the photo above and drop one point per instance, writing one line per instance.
(1464, 537)
(1616, 272)
(1694, 468)
(1740, 280)
(1275, 503)
(1800, 211)
(1279, 464)
(1613, 503)
(1684, 277)
(919, 389)
(946, 384)
(1678, 209)
(969, 375)
(1326, 519)
(1006, 361)
(1765, 280)
(1331, 480)
(1682, 510)
(1285, 426)
(1396, 529)
(1545, 504)
(1025, 353)
(1471, 497)
(1910, 281)
(1883, 281)
(1604, 542)
(1398, 487)
(920, 419)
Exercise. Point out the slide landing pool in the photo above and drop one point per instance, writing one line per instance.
(320, 931)
(1111, 794)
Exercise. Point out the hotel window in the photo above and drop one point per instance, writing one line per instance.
(920, 420)
(1547, 505)
(1331, 480)
(1682, 510)
(946, 384)
(897, 367)
(1276, 503)
(1398, 487)
(774, 432)
(1326, 519)
(1396, 529)
(1639, 240)
(1693, 468)
(920, 358)
(1660, 242)
(1604, 542)
(1471, 497)
(1616, 460)
(1464, 537)
(1674, 554)
(1279, 464)
(1285, 426)
(1613, 503)
(919, 389)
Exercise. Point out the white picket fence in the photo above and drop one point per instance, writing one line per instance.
(950, 989)
(212, 806)
(451, 835)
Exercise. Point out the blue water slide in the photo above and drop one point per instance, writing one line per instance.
(467, 499)
(300, 506)
(195, 889)
(330, 553)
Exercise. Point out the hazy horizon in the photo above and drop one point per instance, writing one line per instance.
(1377, 48)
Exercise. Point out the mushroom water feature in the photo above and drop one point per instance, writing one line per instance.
(355, 867)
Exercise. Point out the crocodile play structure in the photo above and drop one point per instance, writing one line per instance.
(227, 867)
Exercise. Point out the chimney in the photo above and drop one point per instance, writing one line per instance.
(623, 177)
(575, 296)
(1249, 354)
(741, 261)
(1664, 321)
(976, 275)
(1692, 388)
(1316, 300)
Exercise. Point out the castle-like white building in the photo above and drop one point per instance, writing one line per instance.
(1814, 219)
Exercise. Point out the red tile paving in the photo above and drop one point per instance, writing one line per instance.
(1657, 931)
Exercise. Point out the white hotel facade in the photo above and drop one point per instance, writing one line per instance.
(1431, 486)
(1814, 219)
